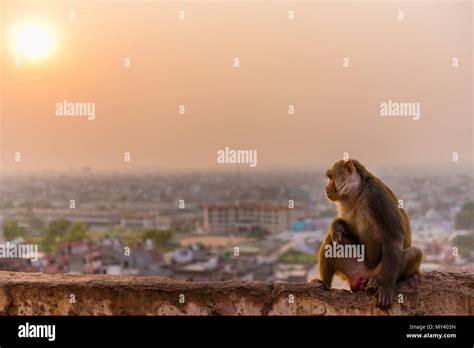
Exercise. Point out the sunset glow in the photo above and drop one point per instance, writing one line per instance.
(32, 40)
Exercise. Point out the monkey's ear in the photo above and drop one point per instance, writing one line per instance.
(349, 166)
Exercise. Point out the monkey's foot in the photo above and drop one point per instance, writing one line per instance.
(385, 296)
(319, 281)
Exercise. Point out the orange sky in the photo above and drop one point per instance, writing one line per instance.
(282, 62)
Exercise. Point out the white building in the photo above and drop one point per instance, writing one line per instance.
(246, 217)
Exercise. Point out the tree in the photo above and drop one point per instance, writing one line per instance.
(8, 205)
(58, 231)
(77, 232)
(464, 219)
(465, 244)
(54, 234)
(57, 228)
(160, 238)
(12, 230)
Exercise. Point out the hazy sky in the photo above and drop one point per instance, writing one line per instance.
(282, 62)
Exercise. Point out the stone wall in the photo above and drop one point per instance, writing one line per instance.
(62, 294)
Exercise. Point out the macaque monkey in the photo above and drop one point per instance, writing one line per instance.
(371, 213)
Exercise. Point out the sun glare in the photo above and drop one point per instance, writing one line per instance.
(32, 40)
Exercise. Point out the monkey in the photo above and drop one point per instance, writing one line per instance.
(352, 270)
(370, 210)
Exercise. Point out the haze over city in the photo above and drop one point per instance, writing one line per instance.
(282, 63)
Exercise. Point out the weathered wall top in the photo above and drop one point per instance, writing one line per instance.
(62, 294)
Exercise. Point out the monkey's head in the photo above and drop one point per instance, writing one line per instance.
(343, 181)
(340, 234)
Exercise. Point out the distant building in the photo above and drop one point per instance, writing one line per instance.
(91, 218)
(183, 255)
(75, 247)
(137, 221)
(145, 221)
(431, 224)
(101, 220)
(290, 272)
(246, 217)
(88, 263)
(79, 257)
(207, 270)
(112, 269)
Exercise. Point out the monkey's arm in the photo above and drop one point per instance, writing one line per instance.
(326, 265)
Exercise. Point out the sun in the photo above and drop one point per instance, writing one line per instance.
(32, 40)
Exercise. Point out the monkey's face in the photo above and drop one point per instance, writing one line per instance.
(343, 180)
